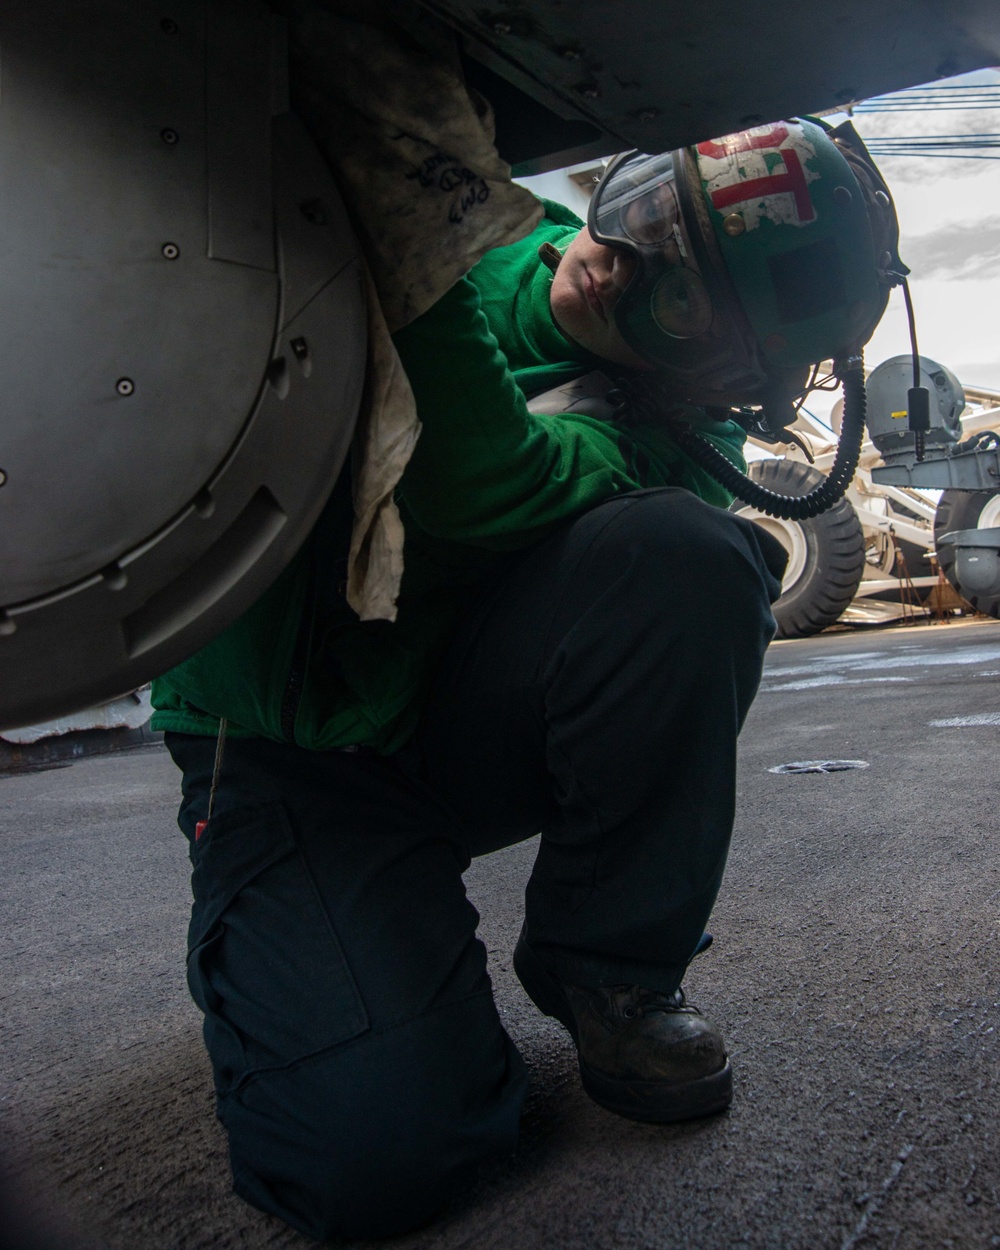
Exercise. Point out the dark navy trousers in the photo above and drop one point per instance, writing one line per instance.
(595, 695)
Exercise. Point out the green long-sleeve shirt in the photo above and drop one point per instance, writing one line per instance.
(487, 479)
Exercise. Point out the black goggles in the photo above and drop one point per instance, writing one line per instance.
(636, 207)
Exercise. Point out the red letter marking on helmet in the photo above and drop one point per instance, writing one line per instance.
(792, 180)
(744, 141)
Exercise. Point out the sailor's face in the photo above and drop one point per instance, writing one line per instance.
(585, 289)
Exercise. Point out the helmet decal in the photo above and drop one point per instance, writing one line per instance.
(764, 172)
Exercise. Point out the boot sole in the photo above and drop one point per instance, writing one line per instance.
(652, 1102)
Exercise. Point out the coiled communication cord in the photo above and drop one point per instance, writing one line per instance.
(793, 507)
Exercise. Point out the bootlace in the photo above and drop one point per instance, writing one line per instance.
(646, 1001)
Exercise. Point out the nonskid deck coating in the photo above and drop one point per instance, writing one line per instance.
(854, 972)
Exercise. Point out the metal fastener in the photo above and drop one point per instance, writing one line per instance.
(8, 625)
(3, 478)
(300, 348)
(115, 577)
(204, 504)
(278, 376)
(733, 224)
(590, 91)
(501, 28)
(125, 386)
(171, 251)
(881, 199)
(570, 54)
(842, 195)
(169, 136)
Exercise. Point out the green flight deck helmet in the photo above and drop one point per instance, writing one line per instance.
(758, 255)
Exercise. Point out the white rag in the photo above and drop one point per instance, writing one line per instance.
(412, 150)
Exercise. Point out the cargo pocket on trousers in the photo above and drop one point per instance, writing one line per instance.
(265, 964)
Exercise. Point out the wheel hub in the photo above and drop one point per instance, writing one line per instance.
(791, 537)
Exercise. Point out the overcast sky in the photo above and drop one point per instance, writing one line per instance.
(949, 215)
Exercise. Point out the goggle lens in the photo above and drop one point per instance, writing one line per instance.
(680, 305)
(649, 220)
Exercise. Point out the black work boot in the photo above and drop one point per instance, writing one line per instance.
(643, 1054)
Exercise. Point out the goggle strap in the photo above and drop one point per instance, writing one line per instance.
(550, 256)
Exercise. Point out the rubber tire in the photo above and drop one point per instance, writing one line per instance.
(962, 510)
(828, 551)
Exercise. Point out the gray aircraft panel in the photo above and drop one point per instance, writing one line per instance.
(658, 75)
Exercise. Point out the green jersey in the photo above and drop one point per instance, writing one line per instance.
(488, 478)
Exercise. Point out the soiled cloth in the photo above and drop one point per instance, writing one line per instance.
(386, 434)
(412, 150)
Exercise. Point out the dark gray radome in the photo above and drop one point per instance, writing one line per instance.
(183, 338)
